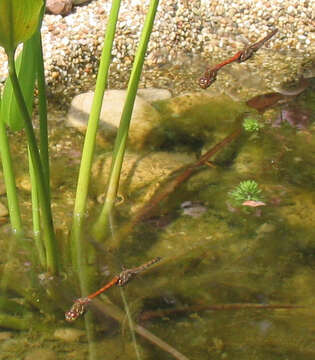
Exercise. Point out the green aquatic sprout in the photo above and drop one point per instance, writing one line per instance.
(251, 124)
(246, 190)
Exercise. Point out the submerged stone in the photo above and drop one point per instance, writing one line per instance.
(201, 116)
(193, 208)
(141, 175)
(154, 94)
(42, 354)
(68, 334)
(3, 210)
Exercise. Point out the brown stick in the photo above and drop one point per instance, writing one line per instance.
(172, 186)
(161, 194)
(116, 313)
(148, 315)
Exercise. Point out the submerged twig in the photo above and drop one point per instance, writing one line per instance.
(116, 313)
(131, 324)
(189, 171)
(148, 315)
(14, 322)
(162, 193)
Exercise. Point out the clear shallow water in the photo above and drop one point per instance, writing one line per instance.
(206, 297)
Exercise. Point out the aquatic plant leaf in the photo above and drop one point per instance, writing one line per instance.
(251, 124)
(253, 203)
(18, 21)
(263, 102)
(26, 71)
(247, 190)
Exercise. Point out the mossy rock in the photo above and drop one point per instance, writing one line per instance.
(199, 116)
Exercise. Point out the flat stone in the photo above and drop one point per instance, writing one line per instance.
(68, 334)
(154, 94)
(145, 118)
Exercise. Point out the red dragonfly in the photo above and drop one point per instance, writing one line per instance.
(80, 304)
(210, 74)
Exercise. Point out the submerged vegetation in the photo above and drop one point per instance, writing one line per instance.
(220, 261)
(251, 124)
(246, 190)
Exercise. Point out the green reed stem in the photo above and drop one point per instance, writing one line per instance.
(42, 106)
(130, 322)
(36, 215)
(101, 226)
(43, 142)
(9, 180)
(90, 138)
(50, 241)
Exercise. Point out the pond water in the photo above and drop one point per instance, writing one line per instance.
(234, 281)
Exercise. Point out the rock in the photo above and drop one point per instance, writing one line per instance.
(154, 94)
(141, 175)
(265, 229)
(201, 116)
(68, 334)
(220, 107)
(250, 160)
(145, 119)
(2, 185)
(182, 103)
(42, 354)
(80, 2)
(3, 210)
(59, 7)
(5, 335)
(300, 213)
(193, 208)
(23, 182)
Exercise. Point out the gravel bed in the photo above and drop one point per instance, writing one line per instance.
(187, 36)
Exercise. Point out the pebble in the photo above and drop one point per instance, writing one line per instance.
(68, 334)
(184, 40)
(193, 209)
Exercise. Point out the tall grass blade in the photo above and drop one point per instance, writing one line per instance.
(42, 105)
(101, 227)
(9, 180)
(36, 215)
(46, 215)
(90, 137)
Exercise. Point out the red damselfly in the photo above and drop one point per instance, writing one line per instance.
(210, 74)
(79, 306)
